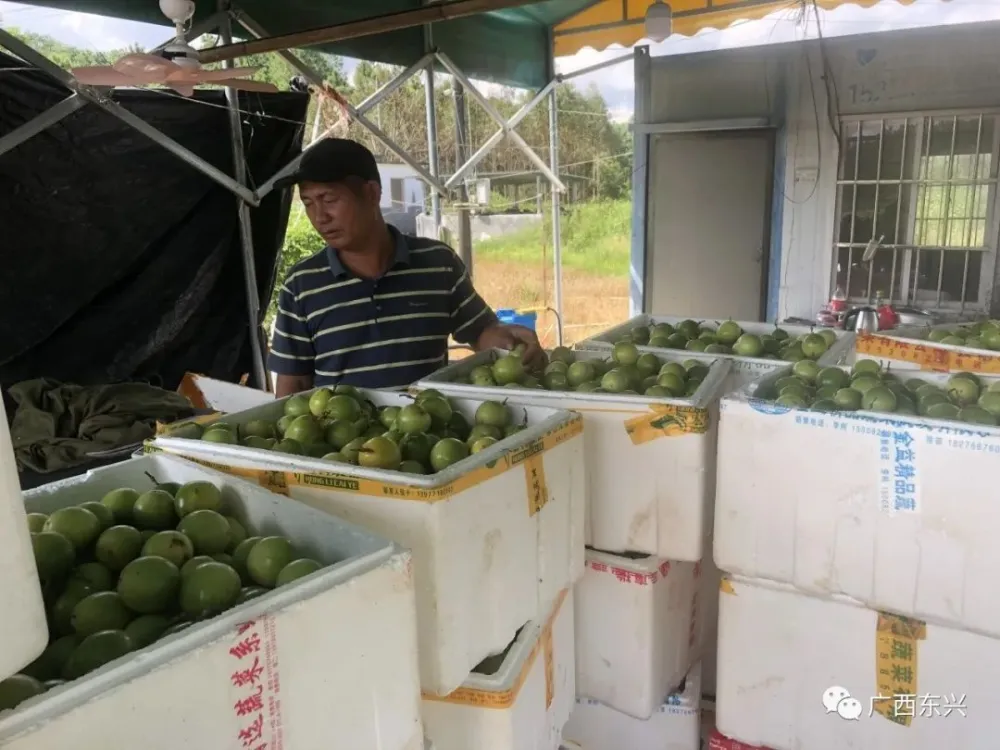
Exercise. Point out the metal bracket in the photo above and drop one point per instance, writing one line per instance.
(385, 91)
(40, 122)
(212, 23)
(506, 129)
(95, 96)
(315, 79)
(507, 126)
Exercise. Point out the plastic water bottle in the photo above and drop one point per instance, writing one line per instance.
(23, 629)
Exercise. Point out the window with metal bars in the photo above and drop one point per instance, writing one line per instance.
(918, 194)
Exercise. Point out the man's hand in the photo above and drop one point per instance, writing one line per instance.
(289, 385)
(508, 337)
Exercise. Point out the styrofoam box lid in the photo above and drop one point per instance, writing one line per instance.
(444, 378)
(346, 550)
(499, 690)
(917, 336)
(834, 355)
(649, 567)
(541, 421)
(749, 395)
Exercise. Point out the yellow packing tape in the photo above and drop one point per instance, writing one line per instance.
(666, 420)
(530, 456)
(926, 355)
(506, 698)
(534, 479)
(896, 640)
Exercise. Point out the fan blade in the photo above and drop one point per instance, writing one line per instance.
(182, 89)
(101, 75)
(242, 85)
(143, 68)
(225, 74)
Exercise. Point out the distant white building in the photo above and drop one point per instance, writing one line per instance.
(402, 189)
(402, 196)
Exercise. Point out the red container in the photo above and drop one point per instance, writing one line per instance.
(719, 741)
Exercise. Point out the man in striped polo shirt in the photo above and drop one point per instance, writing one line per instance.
(374, 308)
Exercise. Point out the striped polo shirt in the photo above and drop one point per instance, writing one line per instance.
(376, 333)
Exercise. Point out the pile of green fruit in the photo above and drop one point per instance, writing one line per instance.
(964, 398)
(984, 334)
(340, 425)
(123, 572)
(730, 338)
(626, 372)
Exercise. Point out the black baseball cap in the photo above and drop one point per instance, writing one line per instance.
(333, 160)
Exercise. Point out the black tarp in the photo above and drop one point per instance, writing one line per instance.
(120, 261)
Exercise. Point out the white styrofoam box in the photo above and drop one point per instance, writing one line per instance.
(332, 655)
(222, 396)
(490, 550)
(744, 369)
(782, 650)
(25, 632)
(707, 616)
(524, 704)
(898, 512)
(635, 631)
(649, 489)
(908, 349)
(675, 725)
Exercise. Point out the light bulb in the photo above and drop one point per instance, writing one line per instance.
(178, 11)
(659, 21)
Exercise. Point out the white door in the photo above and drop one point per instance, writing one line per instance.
(709, 215)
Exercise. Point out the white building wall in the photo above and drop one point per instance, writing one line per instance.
(945, 69)
(413, 187)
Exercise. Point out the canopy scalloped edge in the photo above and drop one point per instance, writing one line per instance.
(611, 22)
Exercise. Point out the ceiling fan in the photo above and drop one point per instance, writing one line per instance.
(176, 66)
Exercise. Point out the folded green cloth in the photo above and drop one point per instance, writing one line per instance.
(57, 425)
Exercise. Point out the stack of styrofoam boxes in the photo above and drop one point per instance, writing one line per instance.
(743, 370)
(650, 481)
(24, 629)
(497, 541)
(861, 552)
(333, 654)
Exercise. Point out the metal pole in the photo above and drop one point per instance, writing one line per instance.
(462, 149)
(431, 108)
(211, 23)
(40, 122)
(556, 218)
(403, 19)
(246, 229)
(317, 118)
(40, 61)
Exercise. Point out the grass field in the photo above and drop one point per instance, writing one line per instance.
(516, 270)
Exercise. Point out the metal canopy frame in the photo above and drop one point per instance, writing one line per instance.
(222, 22)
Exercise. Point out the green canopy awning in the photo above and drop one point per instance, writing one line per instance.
(510, 47)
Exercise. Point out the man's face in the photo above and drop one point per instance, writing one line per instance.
(342, 214)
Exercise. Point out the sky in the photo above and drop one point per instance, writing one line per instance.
(98, 33)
